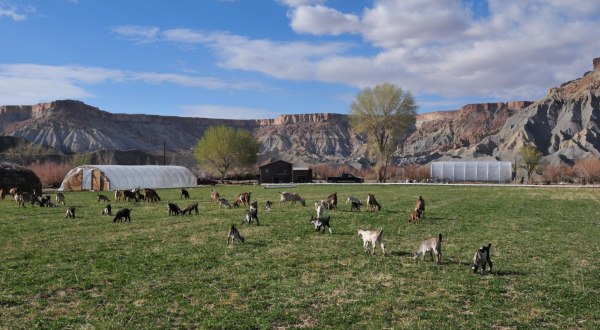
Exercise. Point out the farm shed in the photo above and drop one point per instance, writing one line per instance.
(15, 176)
(497, 172)
(276, 172)
(120, 177)
(301, 174)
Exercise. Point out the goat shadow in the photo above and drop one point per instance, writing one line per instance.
(508, 273)
(402, 254)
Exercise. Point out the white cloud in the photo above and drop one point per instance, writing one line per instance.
(298, 3)
(12, 12)
(226, 112)
(137, 32)
(33, 83)
(320, 20)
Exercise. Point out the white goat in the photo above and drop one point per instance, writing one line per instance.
(291, 197)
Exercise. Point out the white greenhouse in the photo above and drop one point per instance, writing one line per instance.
(121, 177)
(496, 172)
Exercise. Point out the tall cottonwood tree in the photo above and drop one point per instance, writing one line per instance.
(531, 159)
(385, 114)
(222, 148)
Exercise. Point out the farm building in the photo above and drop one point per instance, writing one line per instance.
(121, 177)
(15, 176)
(497, 172)
(283, 172)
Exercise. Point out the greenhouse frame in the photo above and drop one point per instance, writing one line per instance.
(121, 177)
(496, 172)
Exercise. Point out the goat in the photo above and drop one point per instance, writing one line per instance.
(70, 213)
(102, 198)
(320, 223)
(291, 197)
(150, 195)
(173, 209)
(481, 258)
(320, 211)
(107, 210)
(251, 215)
(60, 198)
(190, 208)
(234, 235)
(321, 203)
(254, 205)
(433, 245)
(118, 195)
(373, 237)
(243, 198)
(415, 216)
(130, 196)
(420, 205)
(46, 201)
(224, 202)
(372, 204)
(268, 205)
(214, 197)
(355, 205)
(350, 199)
(185, 194)
(332, 201)
(13, 191)
(122, 215)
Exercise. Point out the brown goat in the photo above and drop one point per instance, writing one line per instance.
(420, 205)
(214, 196)
(242, 198)
(332, 201)
(372, 204)
(415, 216)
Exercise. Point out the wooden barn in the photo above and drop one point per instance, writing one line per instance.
(283, 172)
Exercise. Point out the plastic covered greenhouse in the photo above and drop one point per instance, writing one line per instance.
(121, 177)
(497, 172)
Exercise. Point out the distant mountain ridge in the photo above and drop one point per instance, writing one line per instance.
(563, 125)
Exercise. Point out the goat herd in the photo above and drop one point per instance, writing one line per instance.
(321, 222)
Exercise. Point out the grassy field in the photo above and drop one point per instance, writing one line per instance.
(178, 272)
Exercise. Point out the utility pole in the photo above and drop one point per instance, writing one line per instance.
(164, 152)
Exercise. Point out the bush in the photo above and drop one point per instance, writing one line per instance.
(558, 173)
(50, 174)
(588, 169)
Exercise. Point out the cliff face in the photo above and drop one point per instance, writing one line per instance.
(563, 125)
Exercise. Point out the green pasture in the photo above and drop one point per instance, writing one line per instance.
(163, 271)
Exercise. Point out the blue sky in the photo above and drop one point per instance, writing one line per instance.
(262, 58)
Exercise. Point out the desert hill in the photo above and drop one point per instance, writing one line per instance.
(563, 125)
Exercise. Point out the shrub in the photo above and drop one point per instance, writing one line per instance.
(50, 174)
(588, 169)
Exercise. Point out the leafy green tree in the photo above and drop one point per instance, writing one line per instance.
(531, 159)
(385, 114)
(222, 148)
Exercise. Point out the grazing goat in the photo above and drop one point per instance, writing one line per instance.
(291, 197)
(415, 216)
(332, 201)
(46, 202)
(60, 198)
(129, 196)
(322, 203)
(268, 205)
(173, 209)
(420, 205)
(350, 199)
(243, 198)
(372, 204)
(433, 245)
(481, 259)
(118, 195)
(190, 208)
(150, 195)
(254, 205)
(224, 202)
(122, 215)
(320, 223)
(102, 198)
(251, 215)
(185, 194)
(355, 205)
(373, 237)
(13, 191)
(70, 213)
(234, 235)
(214, 197)
(107, 210)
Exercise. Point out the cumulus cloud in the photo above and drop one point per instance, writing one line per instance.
(320, 20)
(507, 49)
(226, 112)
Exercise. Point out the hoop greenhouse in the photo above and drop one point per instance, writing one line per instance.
(500, 172)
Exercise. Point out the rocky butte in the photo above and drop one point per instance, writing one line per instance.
(563, 125)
